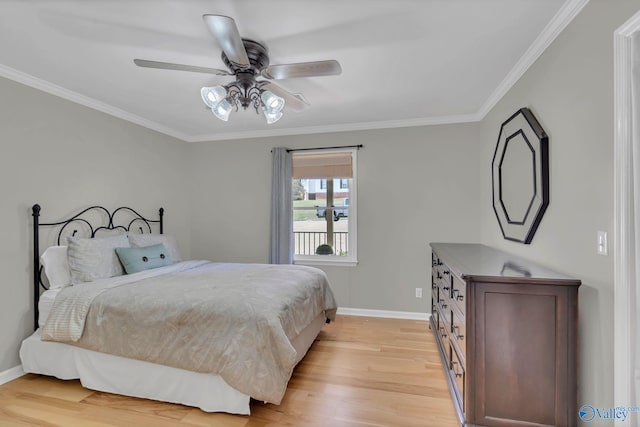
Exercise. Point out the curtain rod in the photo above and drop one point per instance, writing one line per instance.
(324, 148)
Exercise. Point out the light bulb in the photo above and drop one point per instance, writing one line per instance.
(271, 101)
(222, 110)
(213, 95)
(272, 116)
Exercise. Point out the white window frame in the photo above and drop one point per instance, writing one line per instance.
(352, 258)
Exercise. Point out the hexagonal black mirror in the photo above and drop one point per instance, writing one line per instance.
(520, 174)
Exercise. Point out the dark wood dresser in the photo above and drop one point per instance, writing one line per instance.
(507, 333)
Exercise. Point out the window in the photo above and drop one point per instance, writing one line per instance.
(324, 207)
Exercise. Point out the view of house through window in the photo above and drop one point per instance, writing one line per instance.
(323, 205)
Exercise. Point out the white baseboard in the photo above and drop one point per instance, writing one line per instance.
(384, 313)
(11, 374)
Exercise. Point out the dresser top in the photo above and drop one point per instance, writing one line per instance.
(480, 263)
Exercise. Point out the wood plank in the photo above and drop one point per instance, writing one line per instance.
(360, 372)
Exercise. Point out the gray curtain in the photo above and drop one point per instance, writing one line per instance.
(281, 249)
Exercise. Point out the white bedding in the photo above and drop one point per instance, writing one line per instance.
(44, 305)
(68, 324)
(115, 373)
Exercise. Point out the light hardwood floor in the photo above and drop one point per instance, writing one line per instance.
(361, 371)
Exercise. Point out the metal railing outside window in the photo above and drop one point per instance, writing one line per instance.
(306, 242)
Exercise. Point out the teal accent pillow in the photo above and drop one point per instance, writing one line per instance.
(147, 257)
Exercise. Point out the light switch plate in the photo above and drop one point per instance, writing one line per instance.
(602, 243)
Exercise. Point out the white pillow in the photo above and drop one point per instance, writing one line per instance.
(93, 259)
(169, 242)
(56, 266)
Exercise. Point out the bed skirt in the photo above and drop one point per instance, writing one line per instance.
(129, 377)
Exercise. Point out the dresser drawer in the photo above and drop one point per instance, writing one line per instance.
(457, 374)
(435, 284)
(446, 280)
(458, 294)
(443, 327)
(443, 303)
(458, 332)
(435, 318)
(433, 308)
(438, 277)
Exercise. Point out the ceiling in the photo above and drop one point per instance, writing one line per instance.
(404, 62)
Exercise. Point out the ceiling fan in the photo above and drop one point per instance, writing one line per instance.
(247, 60)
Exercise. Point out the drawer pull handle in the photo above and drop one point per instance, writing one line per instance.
(446, 272)
(456, 294)
(455, 335)
(438, 275)
(445, 288)
(453, 369)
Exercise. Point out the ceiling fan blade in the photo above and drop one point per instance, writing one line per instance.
(226, 33)
(180, 67)
(292, 101)
(302, 69)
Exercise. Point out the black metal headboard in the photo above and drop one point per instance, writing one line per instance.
(90, 221)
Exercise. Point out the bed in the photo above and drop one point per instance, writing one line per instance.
(117, 308)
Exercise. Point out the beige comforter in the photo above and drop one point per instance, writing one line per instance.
(235, 320)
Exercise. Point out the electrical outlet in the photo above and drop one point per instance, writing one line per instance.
(418, 292)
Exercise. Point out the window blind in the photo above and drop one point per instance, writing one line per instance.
(323, 166)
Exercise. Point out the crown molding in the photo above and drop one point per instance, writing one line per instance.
(562, 18)
(343, 127)
(69, 95)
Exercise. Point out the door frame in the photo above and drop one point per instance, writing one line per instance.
(624, 246)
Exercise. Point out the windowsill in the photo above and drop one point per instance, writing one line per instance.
(334, 261)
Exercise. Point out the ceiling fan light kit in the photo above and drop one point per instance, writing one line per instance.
(222, 100)
(247, 60)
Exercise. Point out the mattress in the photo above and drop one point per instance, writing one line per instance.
(114, 374)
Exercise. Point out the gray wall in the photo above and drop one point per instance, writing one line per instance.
(439, 176)
(570, 90)
(415, 186)
(65, 156)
